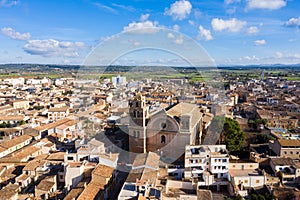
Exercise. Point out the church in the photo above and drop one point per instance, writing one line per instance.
(165, 131)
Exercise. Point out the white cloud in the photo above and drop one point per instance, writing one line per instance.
(179, 40)
(231, 1)
(127, 8)
(10, 32)
(204, 34)
(176, 27)
(191, 22)
(144, 27)
(278, 54)
(144, 17)
(197, 13)
(179, 10)
(232, 25)
(252, 30)
(136, 43)
(293, 22)
(286, 56)
(231, 10)
(250, 58)
(260, 42)
(8, 3)
(105, 7)
(170, 35)
(51, 47)
(266, 4)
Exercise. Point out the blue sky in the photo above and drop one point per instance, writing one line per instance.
(231, 31)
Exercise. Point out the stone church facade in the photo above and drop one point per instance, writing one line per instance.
(166, 131)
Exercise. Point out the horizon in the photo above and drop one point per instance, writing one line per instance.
(276, 65)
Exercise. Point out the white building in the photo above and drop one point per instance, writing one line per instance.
(207, 165)
(118, 80)
(288, 169)
(44, 80)
(74, 173)
(245, 175)
(200, 158)
(55, 114)
(93, 151)
(14, 81)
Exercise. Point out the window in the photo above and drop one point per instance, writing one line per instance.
(70, 158)
(163, 125)
(136, 134)
(186, 125)
(284, 152)
(257, 181)
(233, 166)
(291, 152)
(162, 139)
(246, 181)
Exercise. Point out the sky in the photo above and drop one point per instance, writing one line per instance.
(231, 32)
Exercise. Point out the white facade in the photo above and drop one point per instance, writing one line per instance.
(203, 158)
(38, 81)
(73, 174)
(118, 80)
(14, 81)
(244, 176)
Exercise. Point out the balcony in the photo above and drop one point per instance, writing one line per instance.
(196, 165)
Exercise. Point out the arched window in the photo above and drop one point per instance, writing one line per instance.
(163, 139)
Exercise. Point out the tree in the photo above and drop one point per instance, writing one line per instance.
(9, 125)
(238, 197)
(234, 136)
(231, 134)
(263, 138)
(21, 122)
(252, 124)
(255, 124)
(257, 197)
